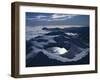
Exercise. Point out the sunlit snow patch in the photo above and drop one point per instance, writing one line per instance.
(57, 50)
(72, 34)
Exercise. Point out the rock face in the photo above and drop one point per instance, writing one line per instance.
(59, 47)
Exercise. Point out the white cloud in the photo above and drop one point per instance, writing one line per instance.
(59, 16)
(41, 16)
(59, 19)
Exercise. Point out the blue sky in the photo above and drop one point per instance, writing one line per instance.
(38, 19)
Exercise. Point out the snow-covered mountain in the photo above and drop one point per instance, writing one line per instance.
(75, 42)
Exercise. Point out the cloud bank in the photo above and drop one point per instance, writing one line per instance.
(33, 19)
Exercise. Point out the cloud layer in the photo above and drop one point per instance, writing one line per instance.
(55, 19)
(52, 17)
